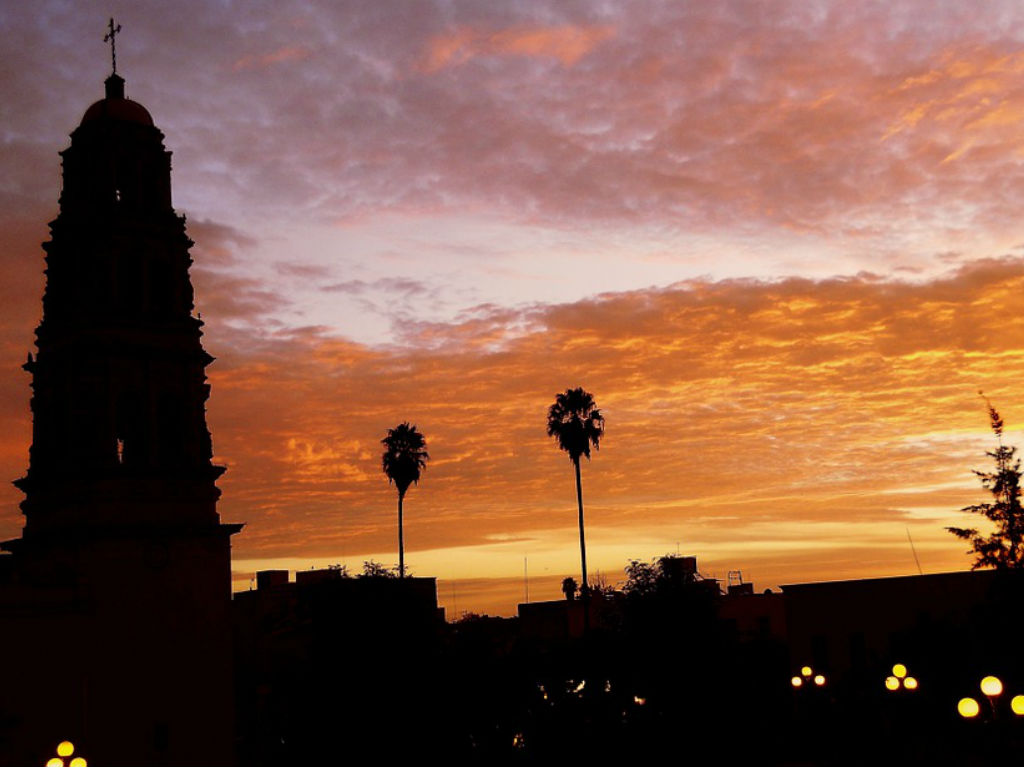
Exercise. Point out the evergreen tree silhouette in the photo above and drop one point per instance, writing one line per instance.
(1003, 548)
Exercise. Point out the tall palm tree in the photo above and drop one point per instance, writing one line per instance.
(576, 424)
(405, 456)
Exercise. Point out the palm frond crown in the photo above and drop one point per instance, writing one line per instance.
(405, 456)
(576, 423)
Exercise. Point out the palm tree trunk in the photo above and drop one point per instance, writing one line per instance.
(401, 540)
(585, 586)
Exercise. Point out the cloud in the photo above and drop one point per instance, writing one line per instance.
(857, 124)
(845, 136)
(224, 284)
(758, 421)
(567, 44)
(302, 271)
(394, 285)
(219, 244)
(731, 406)
(288, 53)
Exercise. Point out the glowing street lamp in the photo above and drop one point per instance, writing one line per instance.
(900, 679)
(807, 676)
(65, 749)
(1017, 705)
(991, 686)
(968, 708)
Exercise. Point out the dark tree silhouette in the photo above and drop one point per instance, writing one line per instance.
(373, 569)
(576, 424)
(1004, 548)
(405, 456)
(642, 578)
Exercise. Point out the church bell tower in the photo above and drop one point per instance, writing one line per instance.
(119, 390)
(116, 598)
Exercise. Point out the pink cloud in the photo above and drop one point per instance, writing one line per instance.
(260, 61)
(567, 44)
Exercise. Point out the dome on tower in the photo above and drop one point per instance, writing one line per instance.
(116, 107)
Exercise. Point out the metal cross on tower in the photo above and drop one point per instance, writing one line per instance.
(109, 38)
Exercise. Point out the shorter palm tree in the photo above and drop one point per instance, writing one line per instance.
(405, 456)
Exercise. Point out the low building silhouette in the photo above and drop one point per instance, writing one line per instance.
(753, 615)
(561, 619)
(357, 658)
(859, 626)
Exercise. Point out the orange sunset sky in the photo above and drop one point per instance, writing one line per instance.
(781, 242)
